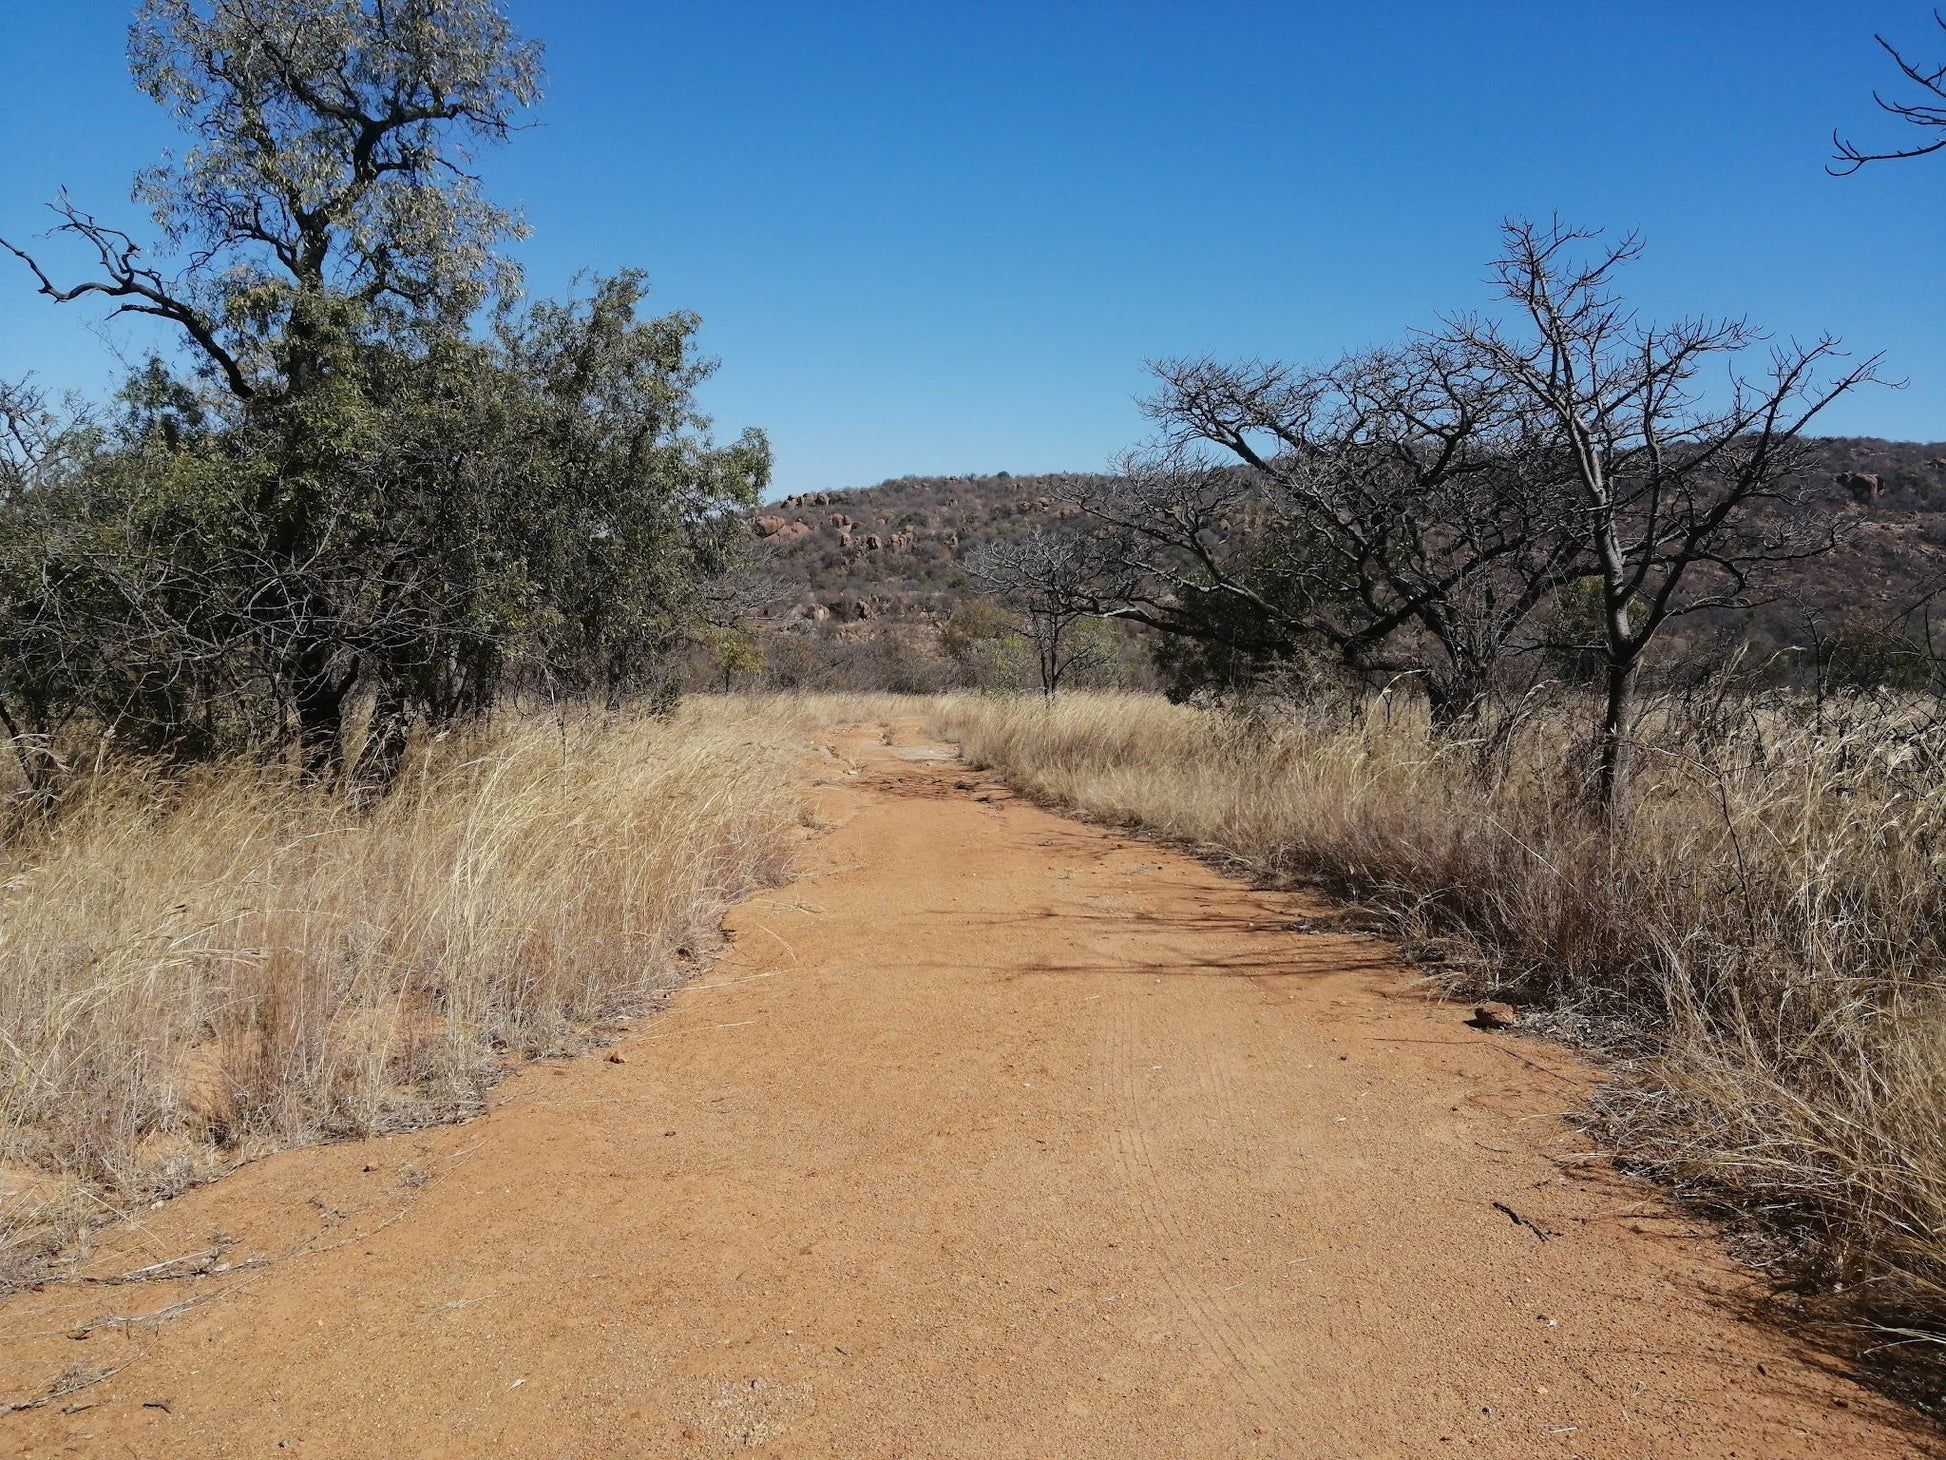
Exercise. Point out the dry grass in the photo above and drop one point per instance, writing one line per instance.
(195, 971)
(198, 970)
(1764, 949)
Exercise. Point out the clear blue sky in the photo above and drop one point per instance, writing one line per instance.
(943, 237)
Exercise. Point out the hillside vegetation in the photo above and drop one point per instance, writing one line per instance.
(899, 549)
(861, 582)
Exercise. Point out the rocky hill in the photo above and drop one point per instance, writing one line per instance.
(898, 549)
(895, 553)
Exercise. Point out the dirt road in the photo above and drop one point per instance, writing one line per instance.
(996, 1136)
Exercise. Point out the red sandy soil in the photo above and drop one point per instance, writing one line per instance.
(995, 1135)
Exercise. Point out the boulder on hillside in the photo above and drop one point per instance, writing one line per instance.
(1864, 486)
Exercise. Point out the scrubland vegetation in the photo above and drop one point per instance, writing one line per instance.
(198, 967)
(283, 863)
(1764, 952)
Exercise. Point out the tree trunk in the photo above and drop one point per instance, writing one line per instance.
(35, 753)
(318, 697)
(385, 743)
(1611, 777)
(1455, 702)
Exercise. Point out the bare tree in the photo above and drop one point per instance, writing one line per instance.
(751, 582)
(1927, 112)
(40, 440)
(1390, 508)
(1686, 492)
(730, 602)
(1051, 579)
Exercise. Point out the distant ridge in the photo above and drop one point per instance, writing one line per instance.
(897, 550)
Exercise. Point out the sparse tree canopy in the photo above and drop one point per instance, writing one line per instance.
(1049, 578)
(1389, 508)
(1677, 482)
(329, 163)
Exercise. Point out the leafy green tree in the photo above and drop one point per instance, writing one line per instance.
(327, 187)
(45, 451)
(736, 651)
(323, 216)
(353, 496)
(985, 642)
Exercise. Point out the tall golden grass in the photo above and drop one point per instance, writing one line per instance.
(193, 970)
(1762, 946)
(196, 969)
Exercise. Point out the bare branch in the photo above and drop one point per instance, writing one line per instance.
(1928, 114)
(142, 289)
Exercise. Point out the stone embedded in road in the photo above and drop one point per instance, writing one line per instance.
(1496, 1016)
